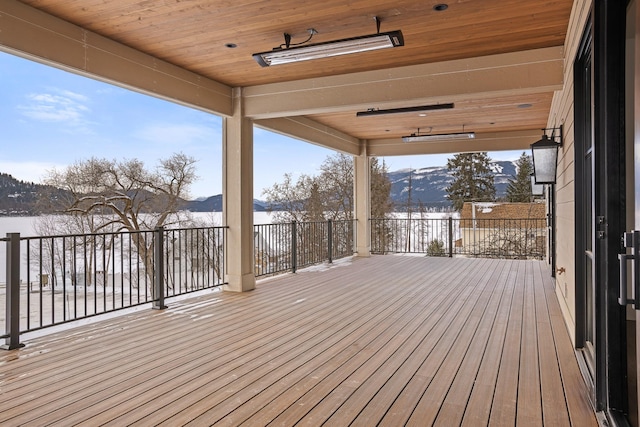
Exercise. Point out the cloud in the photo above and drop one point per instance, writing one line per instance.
(184, 134)
(57, 106)
(73, 95)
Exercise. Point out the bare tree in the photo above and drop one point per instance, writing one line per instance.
(329, 196)
(287, 199)
(112, 195)
(336, 186)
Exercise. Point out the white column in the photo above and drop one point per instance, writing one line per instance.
(237, 195)
(362, 193)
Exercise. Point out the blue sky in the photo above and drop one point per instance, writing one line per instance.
(52, 118)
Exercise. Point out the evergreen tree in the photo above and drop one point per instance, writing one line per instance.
(472, 179)
(381, 203)
(519, 188)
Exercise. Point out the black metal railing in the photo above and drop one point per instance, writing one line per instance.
(493, 238)
(272, 248)
(57, 279)
(342, 239)
(287, 247)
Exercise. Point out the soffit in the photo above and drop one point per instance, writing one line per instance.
(507, 113)
(192, 34)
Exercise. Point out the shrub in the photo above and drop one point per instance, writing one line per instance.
(436, 248)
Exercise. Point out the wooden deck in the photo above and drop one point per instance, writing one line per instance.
(388, 340)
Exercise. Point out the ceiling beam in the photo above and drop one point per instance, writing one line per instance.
(311, 131)
(490, 141)
(38, 36)
(517, 73)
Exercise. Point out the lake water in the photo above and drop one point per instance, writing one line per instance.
(25, 225)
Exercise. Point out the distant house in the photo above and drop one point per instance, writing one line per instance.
(496, 229)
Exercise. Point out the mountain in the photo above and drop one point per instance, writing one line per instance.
(17, 197)
(214, 204)
(429, 184)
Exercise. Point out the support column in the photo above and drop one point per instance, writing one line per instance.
(237, 195)
(362, 192)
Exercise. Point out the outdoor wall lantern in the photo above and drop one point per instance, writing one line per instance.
(536, 189)
(545, 156)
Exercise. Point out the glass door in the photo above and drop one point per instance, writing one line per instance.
(632, 128)
(585, 230)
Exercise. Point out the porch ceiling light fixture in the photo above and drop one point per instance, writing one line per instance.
(545, 156)
(285, 53)
(434, 137)
(377, 112)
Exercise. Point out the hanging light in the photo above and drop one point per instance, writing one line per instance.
(545, 156)
(536, 189)
(430, 137)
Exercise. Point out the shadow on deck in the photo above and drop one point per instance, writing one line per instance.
(387, 340)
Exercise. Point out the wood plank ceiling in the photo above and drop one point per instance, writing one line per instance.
(196, 35)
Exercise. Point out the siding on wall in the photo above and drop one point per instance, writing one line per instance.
(562, 113)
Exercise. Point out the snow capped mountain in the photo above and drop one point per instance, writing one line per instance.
(429, 184)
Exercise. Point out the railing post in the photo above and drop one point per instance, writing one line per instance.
(450, 237)
(158, 265)
(294, 246)
(12, 306)
(330, 240)
(354, 235)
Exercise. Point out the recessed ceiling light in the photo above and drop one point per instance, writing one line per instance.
(525, 106)
(422, 115)
(440, 7)
(231, 45)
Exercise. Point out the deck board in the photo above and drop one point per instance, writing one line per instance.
(554, 407)
(388, 340)
(466, 326)
(478, 407)
(529, 399)
(371, 384)
(453, 408)
(505, 395)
